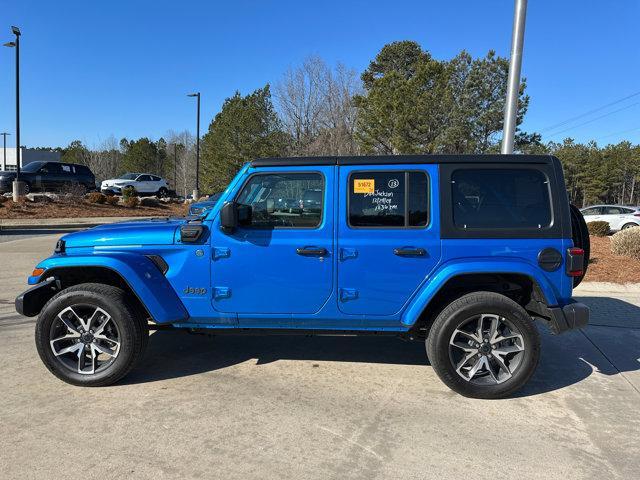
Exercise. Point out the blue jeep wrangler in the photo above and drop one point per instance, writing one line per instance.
(463, 252)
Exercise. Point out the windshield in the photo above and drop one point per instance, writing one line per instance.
(128, 176)
(33, 167)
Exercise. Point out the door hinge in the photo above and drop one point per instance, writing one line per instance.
(346, 253)
(347, 294)
(221, 292)
(221, 252)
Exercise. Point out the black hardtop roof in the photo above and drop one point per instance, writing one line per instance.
(400, 159)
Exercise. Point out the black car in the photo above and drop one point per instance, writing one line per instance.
(50, 176)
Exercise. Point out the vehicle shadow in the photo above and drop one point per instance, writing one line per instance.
(565, 360)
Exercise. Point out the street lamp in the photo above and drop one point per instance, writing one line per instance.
(17, 185)
(4, 161)
(513, 82)
(196, 192)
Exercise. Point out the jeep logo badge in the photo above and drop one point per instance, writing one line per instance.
(194, 291)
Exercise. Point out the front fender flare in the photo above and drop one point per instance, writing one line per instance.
(141, 275)
(448, 271)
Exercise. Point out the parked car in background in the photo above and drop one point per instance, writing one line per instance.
(311, 201)
(286, 205)
(142, 183)
(200, 208)
(50, 176)
(617, 216)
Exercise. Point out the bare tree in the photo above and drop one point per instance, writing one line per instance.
(337, 136)
(105, 159)
(185, 161)
(316, 106)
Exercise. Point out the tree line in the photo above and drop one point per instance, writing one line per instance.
(405, 102)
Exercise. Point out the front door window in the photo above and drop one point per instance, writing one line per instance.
(287, 200)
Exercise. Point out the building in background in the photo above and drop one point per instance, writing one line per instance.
(28, 155)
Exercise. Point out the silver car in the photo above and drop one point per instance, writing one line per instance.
(617, 216)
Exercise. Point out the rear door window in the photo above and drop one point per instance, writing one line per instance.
(388, 199)
(591, 211)
(51, 168)
(500, 199)
(612, 210)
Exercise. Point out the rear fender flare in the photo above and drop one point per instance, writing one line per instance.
(448, 271)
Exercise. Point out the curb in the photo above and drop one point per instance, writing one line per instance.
(61, 224)
(608, 288)
(44, 226)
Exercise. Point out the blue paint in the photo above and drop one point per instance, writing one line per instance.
(254, 278)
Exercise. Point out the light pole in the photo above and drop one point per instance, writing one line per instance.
(196, 192)
(513, 86)
(4, 161)
(18, 186)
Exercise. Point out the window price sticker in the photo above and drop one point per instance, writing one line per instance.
(364, 186)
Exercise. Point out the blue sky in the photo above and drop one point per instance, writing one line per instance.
(91, 69)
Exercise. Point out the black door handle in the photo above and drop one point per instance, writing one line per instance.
(410, 252)
(311, 251)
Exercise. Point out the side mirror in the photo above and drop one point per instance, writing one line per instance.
(229, 217)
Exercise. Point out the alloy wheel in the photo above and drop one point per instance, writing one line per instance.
(486, 349)
(85, 339)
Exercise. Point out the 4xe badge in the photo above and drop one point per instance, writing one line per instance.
(194, 291)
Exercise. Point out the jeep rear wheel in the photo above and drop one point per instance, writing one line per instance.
(484, 345)
(90, 335)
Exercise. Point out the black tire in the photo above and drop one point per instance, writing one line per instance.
(629, 225)
(27, 188)
(163, 193)
(132, 329)
(580, 234)
(457, 314)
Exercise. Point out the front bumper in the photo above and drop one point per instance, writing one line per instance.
(111, 190)
(571, 316)
(30, 303)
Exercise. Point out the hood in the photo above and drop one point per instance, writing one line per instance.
(153, 231)
(118, 181)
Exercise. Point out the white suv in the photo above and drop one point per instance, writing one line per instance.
(617, 216)
(143, 183)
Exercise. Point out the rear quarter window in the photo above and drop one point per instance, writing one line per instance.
(500, 199)
(82, 170)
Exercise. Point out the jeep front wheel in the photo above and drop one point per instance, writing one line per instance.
(484, 345)
(90, 335)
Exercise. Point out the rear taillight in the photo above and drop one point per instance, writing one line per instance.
(636, 214)
(575, 262)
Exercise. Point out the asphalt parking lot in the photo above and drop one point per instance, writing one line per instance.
(318, 407)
